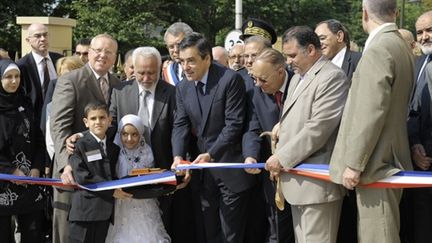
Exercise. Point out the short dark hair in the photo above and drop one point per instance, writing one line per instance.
(335, 26)
(95, 106)
(199, 41)
(304, 36)
(83, 42)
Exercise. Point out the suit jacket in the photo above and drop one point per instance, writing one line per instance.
(73, 92)
(31, 81)
(87, 205)
(220, 126)
(125, 100)
(350, 62)
(308, 128)
(264, 115)
(47, 100)
(373, 134)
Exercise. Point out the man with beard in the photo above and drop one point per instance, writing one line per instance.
(420, 128)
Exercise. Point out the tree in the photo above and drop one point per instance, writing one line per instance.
(10, 32)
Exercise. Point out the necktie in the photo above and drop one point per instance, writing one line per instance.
(102, 147)
(103, 83)
(143, 112)
(278, 98)
(46, 76)
(200, 93)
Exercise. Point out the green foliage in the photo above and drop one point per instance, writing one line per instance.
(142, 22)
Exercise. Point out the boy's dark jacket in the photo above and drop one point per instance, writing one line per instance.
(86, 205)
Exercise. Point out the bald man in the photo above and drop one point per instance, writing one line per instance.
(220, 55)
(33, 73)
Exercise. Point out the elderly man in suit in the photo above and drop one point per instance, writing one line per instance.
(175, 33)
(372, 143)
(335, 45)
(272, 80)
(38, 66)
(128, 98)
(307, 132)
(211, 103)
(74, 90)
(419, 129)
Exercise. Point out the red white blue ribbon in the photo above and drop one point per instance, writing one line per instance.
(167, 177)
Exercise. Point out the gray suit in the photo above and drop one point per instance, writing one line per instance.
(73, 92)
(373, 134)
(124, 100)
(308, 128)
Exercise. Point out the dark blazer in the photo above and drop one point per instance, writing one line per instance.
(220, 126)
(349, 63)
(265, 114)
(73, 91)
(31, 81)
(87, 205)
(47, 100)
(124, 100)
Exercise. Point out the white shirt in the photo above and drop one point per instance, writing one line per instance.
(338, 59)
(40, 67)
(98, 76)
(100, 140)
(204, 81)
(374, 33)
(149, 98)
(306, 74)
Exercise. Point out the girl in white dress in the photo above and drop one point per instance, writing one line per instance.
(136, 220)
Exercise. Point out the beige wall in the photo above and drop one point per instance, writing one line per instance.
(59, 29)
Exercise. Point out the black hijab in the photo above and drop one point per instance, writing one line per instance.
(9, 101)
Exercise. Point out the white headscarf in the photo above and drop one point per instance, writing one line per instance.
(139, 157)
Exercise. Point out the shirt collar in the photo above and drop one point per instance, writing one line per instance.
(338, 59)
(374, 33)
(282, 88)
(98, 139)
(38, 58)
(97, 75)
(203, 79)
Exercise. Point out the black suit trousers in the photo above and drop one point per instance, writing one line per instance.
(224, 211)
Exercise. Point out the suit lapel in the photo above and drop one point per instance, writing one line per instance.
(346, 64)
(311, 74)
(34, 71)
(160, 97)
(192, 100)
(206, 103)
(133, 94)
(93, 84)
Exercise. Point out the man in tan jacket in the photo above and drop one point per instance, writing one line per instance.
(372, 143)
(308, 127)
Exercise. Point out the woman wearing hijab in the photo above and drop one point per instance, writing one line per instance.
(136, 220)
(21, 154)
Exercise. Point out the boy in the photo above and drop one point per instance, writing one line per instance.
(93, 161)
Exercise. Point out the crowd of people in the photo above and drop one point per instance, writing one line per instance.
(364, 114)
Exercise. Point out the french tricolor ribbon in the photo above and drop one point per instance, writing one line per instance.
(403, 179)
(167, 177)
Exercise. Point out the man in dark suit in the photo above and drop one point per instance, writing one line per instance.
(419, 128)
(173, 72)
(335, 45)
(267, 98)
(74, 90)
(211, 103)
(127, 98)
(38, 66)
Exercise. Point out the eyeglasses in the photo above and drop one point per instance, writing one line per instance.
(100, 51)
(234, 57)
(39, 35)
(81, 53)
